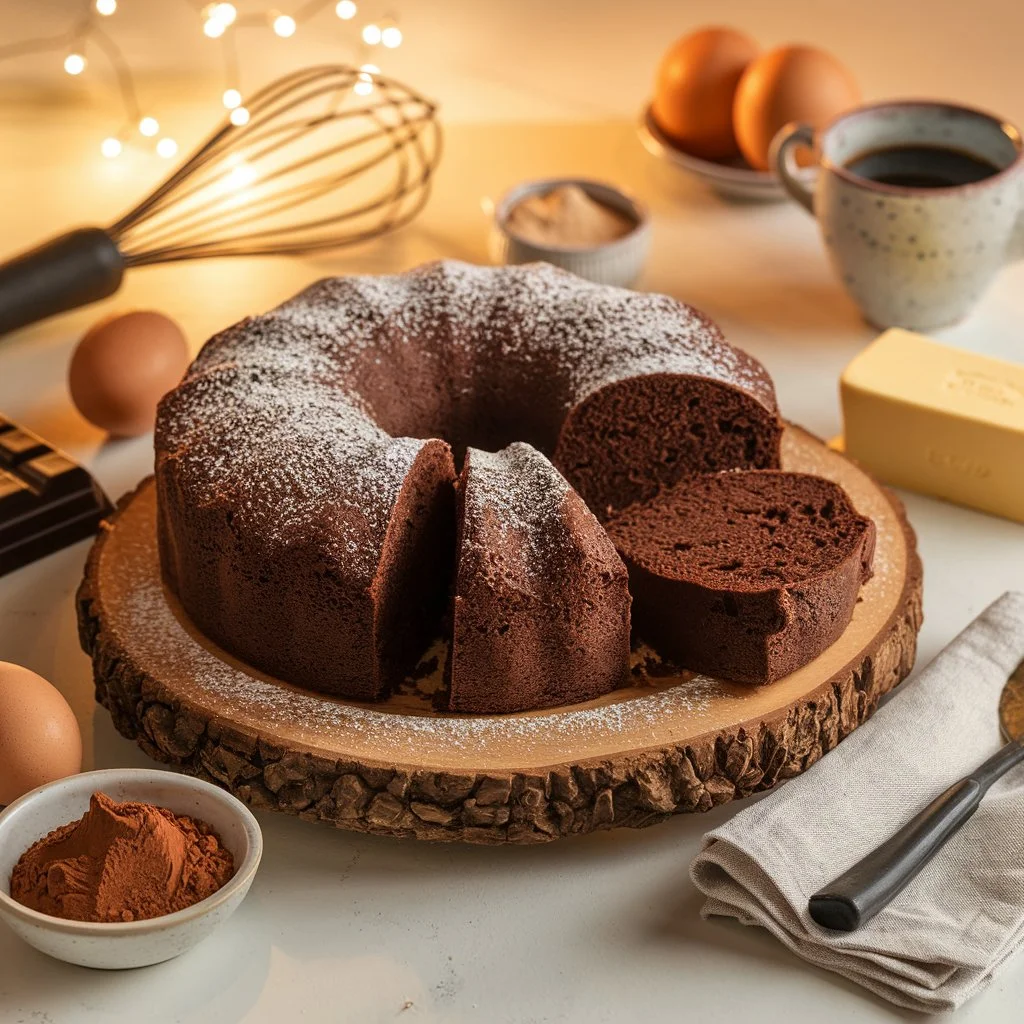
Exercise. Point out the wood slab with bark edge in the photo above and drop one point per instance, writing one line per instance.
(665, 746)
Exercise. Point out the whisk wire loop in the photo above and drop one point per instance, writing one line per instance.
(316, 166)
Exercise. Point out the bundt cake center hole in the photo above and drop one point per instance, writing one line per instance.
(479, 409)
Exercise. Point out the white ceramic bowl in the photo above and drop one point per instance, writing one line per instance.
(134, 943)
(618, 263)
(735, 181)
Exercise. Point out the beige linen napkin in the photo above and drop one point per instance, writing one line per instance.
(951, 929)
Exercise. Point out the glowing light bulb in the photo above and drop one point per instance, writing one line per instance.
(111, 147)
(371, 34)
(364, 83)
(149, 126)
(391, 37)
(224, 13)
(239, 116)
(166, 148)
(106, 8)
(213, 29)
(74, 63)
(284, 25)
(232, 98)
(346, 10)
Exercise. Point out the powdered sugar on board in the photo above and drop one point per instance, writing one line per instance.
(186, 669)
(138, 610)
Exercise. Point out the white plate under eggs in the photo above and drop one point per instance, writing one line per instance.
(735, 180)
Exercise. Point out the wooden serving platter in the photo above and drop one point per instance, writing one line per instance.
(667, 745)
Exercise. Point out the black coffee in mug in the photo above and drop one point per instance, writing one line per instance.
(916, 257)
(921, 166)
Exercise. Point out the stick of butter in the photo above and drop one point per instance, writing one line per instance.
(938, 420)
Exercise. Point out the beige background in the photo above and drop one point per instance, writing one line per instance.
(348, 928)
(556, 59)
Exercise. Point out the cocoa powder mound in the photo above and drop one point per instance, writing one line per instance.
(121, 862)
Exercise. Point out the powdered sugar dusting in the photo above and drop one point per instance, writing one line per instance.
(518, 482)
(282, 464)
(593, 334)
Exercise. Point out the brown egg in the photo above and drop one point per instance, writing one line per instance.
(789, 83)
(694, 89)
(123, 366)
(39, 736)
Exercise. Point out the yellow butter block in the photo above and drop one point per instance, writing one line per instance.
(938, 420)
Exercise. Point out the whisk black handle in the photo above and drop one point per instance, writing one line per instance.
(71, 270)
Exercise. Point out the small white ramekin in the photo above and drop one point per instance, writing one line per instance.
(617, 263)
(133, 943)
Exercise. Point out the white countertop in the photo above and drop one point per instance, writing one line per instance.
(341, 927)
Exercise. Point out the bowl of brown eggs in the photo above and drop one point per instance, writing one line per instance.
(719, 100)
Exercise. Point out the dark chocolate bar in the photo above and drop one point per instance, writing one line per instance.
(47, 501)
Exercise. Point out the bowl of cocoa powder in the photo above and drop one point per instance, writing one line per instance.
(124, 867)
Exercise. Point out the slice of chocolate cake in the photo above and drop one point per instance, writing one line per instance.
(540, 615)
(745, 575)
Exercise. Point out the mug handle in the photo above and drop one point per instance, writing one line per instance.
(780, 156)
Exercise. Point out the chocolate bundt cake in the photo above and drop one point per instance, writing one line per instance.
(540, 611)
(306, 518)
(745, 575)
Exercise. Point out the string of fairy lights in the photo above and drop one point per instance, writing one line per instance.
(220, 21)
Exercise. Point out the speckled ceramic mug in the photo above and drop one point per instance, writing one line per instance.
(911, 257)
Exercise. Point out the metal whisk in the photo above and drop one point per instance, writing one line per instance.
(330, 156)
